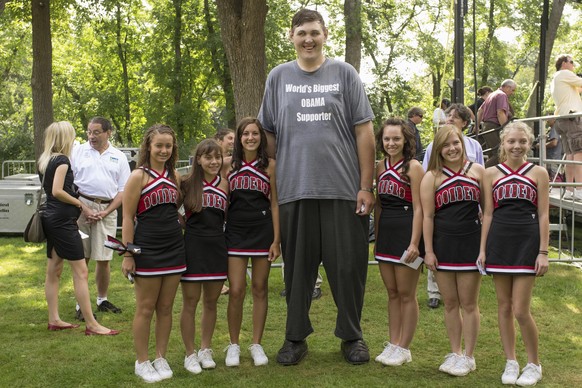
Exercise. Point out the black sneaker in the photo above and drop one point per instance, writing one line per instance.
(106, 306)
(79, 316)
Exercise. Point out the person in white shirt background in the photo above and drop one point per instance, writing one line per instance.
(100, 171)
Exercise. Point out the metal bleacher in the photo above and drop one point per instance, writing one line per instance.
(563, 212)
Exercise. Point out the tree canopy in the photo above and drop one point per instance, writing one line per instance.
(198, 65)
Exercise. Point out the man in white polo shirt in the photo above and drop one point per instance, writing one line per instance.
(101, 171)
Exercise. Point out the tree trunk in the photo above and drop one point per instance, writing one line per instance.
(3, 5)
(220, 66)
(41, 82)
(487, 48)
(353, 20)
(553, 24)
(122, 54)
(177, 81)
(242, 28)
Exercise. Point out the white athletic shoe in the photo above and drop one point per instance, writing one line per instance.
(511, 372)
(161, 366)
(575, 195)
(463, 366)
(205, 359)
(398, 357)
(450, 361)
(147, 372)
(232, 355)
(258, 355)
(530, 375)
(191, 364)
(388, 349)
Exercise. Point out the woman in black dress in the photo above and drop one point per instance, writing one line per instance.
(59, 221)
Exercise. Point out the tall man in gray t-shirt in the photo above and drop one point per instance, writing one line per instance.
(318, 122)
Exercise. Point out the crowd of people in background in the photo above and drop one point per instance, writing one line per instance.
(282, 184)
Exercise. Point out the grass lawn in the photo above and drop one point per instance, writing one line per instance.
(32, 356)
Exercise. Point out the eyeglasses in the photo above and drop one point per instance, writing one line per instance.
(94, 133)
(421, 116)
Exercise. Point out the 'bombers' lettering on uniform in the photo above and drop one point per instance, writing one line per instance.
(214, 198)
(159, 191)
(249, 177)
(164, 195)
(457, 193)
(391, 182)
(514, 185)
(456, 188)
(249, 182)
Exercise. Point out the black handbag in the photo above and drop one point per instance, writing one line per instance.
(34, 232)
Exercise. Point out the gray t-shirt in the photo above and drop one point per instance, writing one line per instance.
(312, 115)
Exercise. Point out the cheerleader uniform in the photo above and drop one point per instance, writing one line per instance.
(514, 236)
(158, 232)
(59, 219)
(395, 223)
(457, 229)
(204, 237)
(249, 228)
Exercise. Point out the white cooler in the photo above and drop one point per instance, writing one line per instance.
(18, 195)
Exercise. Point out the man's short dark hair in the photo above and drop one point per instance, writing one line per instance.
(221, 133)
(305, 15)
(105, 124)
(415, 111)
(484, 90)
(561, 59)
(463, 112)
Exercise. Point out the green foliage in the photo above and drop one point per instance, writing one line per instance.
(406, 60)
(15, 91)
(277, 25)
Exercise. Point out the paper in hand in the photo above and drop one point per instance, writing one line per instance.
(480, 268)
(414, 264)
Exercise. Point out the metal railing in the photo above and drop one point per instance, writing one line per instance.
(564, 206)
(13, 167)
